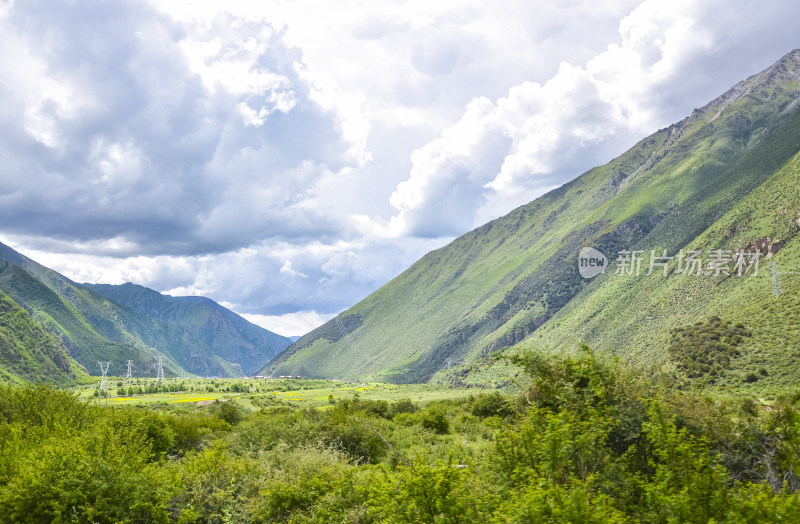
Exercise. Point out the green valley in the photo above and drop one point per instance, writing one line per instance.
(539, 261)
(586, 439)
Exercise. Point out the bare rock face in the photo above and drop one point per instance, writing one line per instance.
(774, 248)
(765, 245)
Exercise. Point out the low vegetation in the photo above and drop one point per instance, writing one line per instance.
(705, 350)
(585, 440)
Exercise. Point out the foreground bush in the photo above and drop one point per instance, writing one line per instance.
(587, 441)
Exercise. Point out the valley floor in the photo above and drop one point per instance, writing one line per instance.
(254, 394)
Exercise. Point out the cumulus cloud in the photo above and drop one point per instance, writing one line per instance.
(447, 178)
(178, 139)
(289, 159)
(503, 154)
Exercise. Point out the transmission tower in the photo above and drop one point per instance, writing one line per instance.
(130, 366)
(104, 380)
(160, 369)
(776, 281)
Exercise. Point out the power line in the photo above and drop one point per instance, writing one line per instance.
(345, 334)
(340, 325)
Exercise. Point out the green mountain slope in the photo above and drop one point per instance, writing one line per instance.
(626, 315)
(28, 352)
(515, 280)
(95, 328)
(195, 323)
(84, 341)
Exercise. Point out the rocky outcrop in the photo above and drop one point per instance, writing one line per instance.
(767, 246)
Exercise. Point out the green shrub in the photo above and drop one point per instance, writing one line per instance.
(705, 349)
(356, 436)
(403, 405)
(425, 493)
(191, 430)
(434, 419)
(229, 411)
(491, 405)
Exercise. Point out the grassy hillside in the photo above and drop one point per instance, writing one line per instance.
(627, 315)
(29, 353)
(731, 164)
(90, 326)
(62, 319)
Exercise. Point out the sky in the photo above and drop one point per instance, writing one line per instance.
(288, 158)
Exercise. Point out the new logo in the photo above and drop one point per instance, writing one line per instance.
(591, 262)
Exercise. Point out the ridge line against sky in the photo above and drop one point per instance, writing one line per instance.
(286, 159)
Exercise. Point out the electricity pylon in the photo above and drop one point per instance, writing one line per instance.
(104, 379)
(776, 282)
(160, 369)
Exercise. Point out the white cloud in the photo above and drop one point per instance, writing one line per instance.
(227, 55)
(289, 157)
(286, 268)
(180, 140)
(291, 324)
(503, 154)
(445, 186)
(5, 7)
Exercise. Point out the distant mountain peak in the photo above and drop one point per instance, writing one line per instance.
(133, 322)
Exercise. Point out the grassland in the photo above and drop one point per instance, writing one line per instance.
(255, 394)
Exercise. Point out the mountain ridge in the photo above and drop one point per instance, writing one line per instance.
(93, 327)
(240, 341)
